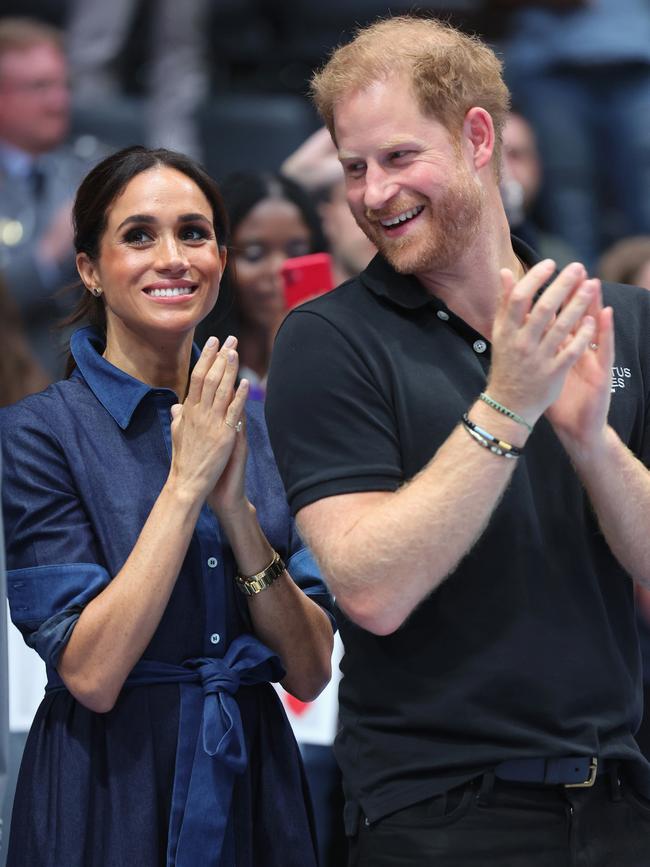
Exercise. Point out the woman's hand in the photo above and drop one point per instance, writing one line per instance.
(535, 345)
(203, 428)
(228, 499)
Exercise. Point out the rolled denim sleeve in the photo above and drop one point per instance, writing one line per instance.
(46, 601)
(52, 559)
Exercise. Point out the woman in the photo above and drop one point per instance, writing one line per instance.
(132, 510)
(272, 219)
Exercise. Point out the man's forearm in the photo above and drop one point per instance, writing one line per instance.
(385, 553)
(618, 486)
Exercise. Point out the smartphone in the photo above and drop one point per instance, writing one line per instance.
(306, 277)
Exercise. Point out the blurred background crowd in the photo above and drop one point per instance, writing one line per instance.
(226, 81)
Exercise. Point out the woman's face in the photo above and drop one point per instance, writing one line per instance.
(159, 263)
(272, 231)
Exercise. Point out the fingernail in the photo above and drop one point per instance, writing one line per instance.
(210, 342)
(229, 341)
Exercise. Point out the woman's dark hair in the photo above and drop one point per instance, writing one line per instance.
(242, 191)
(101, 187)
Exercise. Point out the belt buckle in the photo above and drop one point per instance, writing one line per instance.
(591, 779)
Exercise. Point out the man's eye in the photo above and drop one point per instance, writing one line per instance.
(355, 170)
(396, 155)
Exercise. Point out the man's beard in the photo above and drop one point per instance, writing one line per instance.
(453, 221)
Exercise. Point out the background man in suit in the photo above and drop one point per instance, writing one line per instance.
(38, 176)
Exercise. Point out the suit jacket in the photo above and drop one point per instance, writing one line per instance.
(27, 209)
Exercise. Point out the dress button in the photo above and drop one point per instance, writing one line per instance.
(479, 346)
(442, 314)
(215, 638)
(212, 562)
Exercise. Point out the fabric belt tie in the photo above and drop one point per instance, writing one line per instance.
(199, 831)
(566, 771)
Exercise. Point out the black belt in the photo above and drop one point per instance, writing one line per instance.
(569, 771)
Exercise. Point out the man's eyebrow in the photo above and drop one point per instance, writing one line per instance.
(149, 218)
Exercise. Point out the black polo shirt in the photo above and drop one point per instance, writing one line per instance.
(529, 649)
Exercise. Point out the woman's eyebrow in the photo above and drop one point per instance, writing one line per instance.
(149, 218)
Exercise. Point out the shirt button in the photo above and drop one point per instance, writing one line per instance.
(215, 638)
(212, 562)
(479, 346)
(441, 314)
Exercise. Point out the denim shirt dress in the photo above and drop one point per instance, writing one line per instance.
(196, 763)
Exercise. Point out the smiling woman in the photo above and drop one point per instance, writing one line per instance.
(140, 497)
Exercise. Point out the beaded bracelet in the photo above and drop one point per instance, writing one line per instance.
(499, 407)
(494, 444)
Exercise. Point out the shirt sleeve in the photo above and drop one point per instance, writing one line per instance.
(53, 565)
(332, 427)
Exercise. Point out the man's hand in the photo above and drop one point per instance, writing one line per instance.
(579, 415)
(536, 343)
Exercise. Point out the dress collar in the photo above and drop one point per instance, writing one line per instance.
(118, 392)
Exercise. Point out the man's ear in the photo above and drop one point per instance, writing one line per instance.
(478, 133)
(87, 271)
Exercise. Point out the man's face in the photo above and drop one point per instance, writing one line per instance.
(409, 186)
(34, 98)
(520, 158)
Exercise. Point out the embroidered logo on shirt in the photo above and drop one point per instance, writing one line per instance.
(619, 375)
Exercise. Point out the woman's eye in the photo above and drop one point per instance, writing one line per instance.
(194, 233)
(137, 236)
(298, 248)
(252, 253)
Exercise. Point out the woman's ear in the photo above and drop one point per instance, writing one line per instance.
(223, 255)
(87, 271)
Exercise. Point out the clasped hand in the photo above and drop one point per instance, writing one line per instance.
(553, 354)
(209, 453)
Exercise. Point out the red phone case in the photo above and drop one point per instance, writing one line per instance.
(306, 277)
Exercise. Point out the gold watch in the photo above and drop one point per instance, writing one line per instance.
(253, 584)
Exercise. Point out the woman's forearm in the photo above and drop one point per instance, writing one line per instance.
(284, 618)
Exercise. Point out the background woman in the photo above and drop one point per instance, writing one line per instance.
(272, 218)
(134, 515)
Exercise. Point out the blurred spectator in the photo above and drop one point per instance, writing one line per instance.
(4, 683)
(20, 373)
(315, 165)
(38, 176)
(177, 74)
(581, 73)
(628, 261)
(521, 179)
(272, 219)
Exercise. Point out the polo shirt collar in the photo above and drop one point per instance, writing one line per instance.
(406, 291)
(118, 392)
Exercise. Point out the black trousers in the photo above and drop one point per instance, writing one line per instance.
(512, 825)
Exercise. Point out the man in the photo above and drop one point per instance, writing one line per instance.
(38, 177)
(480, 549)
(315, 166)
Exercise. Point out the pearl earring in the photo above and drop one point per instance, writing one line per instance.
(97, 291)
